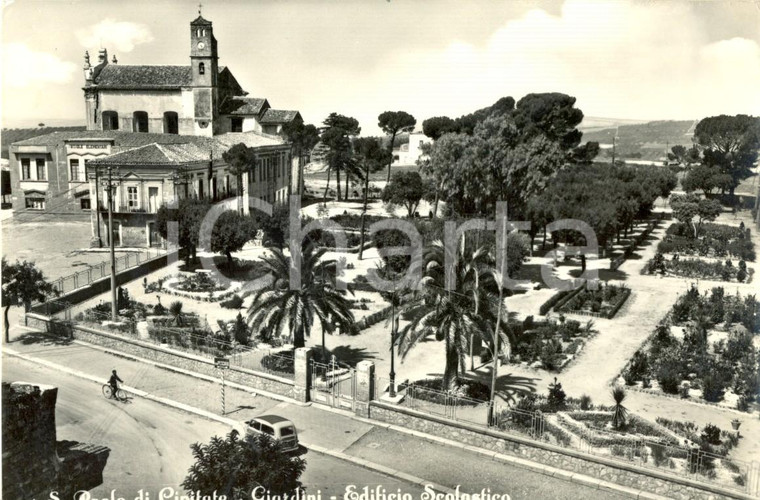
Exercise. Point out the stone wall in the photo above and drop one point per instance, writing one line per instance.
(620, 473)
(168, 356)
(34, 464)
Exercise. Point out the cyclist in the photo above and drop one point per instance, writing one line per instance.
(113, 383)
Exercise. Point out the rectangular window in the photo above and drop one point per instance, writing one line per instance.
(84, 203)
(26, 169)
(236, 124)
(35, 203)
(40, 169)
(132, 200)
(74, 168)
(153, 199)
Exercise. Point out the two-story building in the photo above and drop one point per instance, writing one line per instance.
(159, 126)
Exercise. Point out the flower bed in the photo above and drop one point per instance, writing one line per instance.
(699, 268)
(715, 358)
(548, 344)
(467, 392)
(604, 302)
(196, 288)
(715, 240)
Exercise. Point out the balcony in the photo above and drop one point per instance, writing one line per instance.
(128, 209)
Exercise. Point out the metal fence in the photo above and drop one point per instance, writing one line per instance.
(195, 338)
(95, 272)
(663, 455)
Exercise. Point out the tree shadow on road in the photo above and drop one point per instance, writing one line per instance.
(43, 338)
(345, 354)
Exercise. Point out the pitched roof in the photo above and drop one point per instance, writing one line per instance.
(250, 139)
(201, 22)
(239, 105)
(119, 76)
(272, 116)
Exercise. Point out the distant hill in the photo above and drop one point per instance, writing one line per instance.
(596, 123)
(647, 141)
(10, 135)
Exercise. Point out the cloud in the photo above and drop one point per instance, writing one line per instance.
(24, 67)
(620, 59)
(123, 36)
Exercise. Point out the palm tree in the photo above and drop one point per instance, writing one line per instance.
(175, 309)
(619, 413)
(454, 315)
(278, 308)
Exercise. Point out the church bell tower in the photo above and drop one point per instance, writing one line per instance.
(205, 69)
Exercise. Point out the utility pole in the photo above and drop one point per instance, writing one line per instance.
(97, 206)
(503, 259)
(109, 184)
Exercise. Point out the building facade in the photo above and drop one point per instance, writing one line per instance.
(153, 125)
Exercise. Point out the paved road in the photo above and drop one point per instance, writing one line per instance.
(433, 462)
(150, 443)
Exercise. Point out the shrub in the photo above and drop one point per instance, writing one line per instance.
(159, 310)
(713, 388)
(710, 434)
(234, 302)
(556, 399)
(282, 362)
(547, 306)
(586, 402)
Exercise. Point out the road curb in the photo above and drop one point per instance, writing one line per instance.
(396, 474)
(573, 477)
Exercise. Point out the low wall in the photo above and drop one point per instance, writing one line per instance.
(167, 356)
(101, 285)
(623, 474)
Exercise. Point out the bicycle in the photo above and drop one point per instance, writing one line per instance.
(108, 393)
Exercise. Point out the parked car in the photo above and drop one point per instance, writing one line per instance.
(279, 428)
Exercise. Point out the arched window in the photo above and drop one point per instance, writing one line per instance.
(203, 32)
(198, 32)
(110, 120)
(171, 123)
(201, 68)
(139, 121)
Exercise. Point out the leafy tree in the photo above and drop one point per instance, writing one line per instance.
(466, 124)
(233, 467)
(231, 232)
(557, 398)
(240, 159)
(443, 164)
(276, 227)
(392, 123)
(372, 157)
(455, 315)
(585, 154)
(189, 215)
(730, 145)
(302, 139)
(22, 284)
(700, 177)
(336, 137)
(551, 114)
(436, 126)
(241, 331)
(279, 308)
(689, 206)
(405, 188)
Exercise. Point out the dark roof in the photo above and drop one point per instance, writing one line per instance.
(159, 154)
(201, 22)
(271, 419)
(120, 76)
(121, 138)
(239, 105)
(278, 116)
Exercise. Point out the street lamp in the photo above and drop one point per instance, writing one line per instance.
(109, 183)
(394, 326)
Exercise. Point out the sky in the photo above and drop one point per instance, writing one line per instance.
(639, 60)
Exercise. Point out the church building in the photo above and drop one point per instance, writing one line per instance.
(161, 132)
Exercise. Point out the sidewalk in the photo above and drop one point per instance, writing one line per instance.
(376, 446)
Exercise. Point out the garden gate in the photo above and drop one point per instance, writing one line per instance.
(333, 384)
